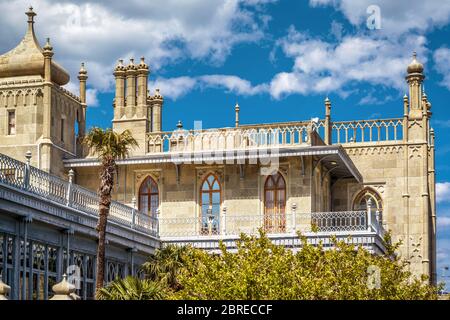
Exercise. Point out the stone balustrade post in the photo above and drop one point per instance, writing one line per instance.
(26, 178)
(4, 290)
(378, 218)
(64, 290)
(70, 187)
(224, 221)
(369, 214)
(294, 216)
(158, 212)
(133, 213)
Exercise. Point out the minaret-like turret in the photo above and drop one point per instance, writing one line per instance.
(119, 100)
(328, 126)
(82, 77)
(130, 102)
(236, 111)
(157, 101)
(415, 79)
(142, 83)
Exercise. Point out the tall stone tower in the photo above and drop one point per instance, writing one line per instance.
(36, 112)
(134, 108)
(419, 195)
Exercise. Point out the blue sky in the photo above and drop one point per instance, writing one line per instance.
(278, 59)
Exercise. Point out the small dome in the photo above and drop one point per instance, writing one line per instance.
(27, 58)
(157, 95)
(120, 66)
(142, 65)
(415, 66)
(131, 66)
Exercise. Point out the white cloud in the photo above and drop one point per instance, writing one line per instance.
(91, 94)
(232, 84)
(92, 97)
(322, 67)
(441, 59)
(397, 17)
(174, 88)
(442, 191)
(164, 31)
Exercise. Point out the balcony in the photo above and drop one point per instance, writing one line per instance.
(357, 227)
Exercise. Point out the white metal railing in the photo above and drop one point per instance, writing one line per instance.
(243, 137)
(23, 176)
(226, 224)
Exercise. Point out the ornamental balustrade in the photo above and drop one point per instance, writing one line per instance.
(242, 138)
(289, 223)
(23, 176)
(274, 135)
(367, 131)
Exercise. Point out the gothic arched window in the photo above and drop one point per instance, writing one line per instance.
(210, 200)
(149, 197)
(360, 202)
(275, 204)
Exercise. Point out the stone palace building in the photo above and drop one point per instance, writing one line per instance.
(354, 179)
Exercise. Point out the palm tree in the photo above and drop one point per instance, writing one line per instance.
(109, 146)
(132, 288)
(165, 264)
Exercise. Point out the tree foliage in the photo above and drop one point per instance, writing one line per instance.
(259, 270)
(132, 288)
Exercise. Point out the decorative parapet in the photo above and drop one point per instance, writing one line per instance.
(287, 134)
(68, 93)
(363, 131)
(244, 137)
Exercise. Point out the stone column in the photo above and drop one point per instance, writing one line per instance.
(328, 125)
(157, 104)
(82, 77)
(142, 83)
(119, 100)
(46, 148)
(236, 110)
(130, 103)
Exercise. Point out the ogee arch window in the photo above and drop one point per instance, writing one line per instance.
(149, 197)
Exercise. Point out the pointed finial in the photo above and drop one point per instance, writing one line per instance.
(31, 14)
(236, 107)
(327, 100)
(83, 70)
(179, 124)
(48, 46)
(415, 66)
